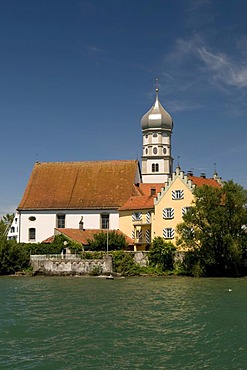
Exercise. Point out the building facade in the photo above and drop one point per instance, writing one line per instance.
(69, 194)
(144, 218)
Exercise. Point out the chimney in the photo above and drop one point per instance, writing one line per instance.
(153, 191)
(203, 175)
(81, 224)
(190, 173)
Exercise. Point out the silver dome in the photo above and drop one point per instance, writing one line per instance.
(157, 117)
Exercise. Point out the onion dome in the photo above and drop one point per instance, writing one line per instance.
(157, 117)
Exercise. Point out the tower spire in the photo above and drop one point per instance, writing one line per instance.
(157, 89)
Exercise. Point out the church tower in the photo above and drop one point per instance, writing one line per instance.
(157, 162)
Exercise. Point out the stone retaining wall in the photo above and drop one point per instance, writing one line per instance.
(76, 266)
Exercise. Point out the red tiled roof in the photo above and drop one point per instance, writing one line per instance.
(144, 201)
(141, 202)
(146, 188)
(200, 181)
(80, 185)
(82, 236)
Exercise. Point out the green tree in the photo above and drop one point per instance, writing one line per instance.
(116, 241)
(5, 224)
(13, 257)
(161, 254)
(55, 247)
(214, 231)
(123, 263)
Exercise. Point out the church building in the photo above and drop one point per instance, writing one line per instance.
(141, 201)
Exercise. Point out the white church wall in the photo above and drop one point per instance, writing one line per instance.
(44, 222)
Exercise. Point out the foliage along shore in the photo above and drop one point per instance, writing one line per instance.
(213, 234)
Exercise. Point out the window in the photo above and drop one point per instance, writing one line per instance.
(177, 194)
(155, 167)
(185, 210)
(146, 150)
(168, 233)
(164, 150)
(155, 135)
(155, 150)
(105, 221)
(136, 216)
(32, 233)
(12, 229)
(61, 221)
(32, 218)
(168, 213)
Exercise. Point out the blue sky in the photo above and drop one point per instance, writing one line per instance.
(76, 77)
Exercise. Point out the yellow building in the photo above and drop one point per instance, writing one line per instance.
(159, 208)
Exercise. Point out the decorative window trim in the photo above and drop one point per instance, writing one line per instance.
(147, 236)
(168, 213)
(139, 234)
(185, 210)
(136, 216)
(168, 233)
(177, 194)
(148, 217)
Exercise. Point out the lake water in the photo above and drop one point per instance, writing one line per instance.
(133, 323)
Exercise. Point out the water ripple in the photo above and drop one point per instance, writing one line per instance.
(137, 323)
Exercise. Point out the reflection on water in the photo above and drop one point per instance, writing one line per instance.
(135, 323)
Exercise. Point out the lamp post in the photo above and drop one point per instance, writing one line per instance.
(107, 241)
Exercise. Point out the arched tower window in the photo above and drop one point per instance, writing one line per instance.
(155, 167)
